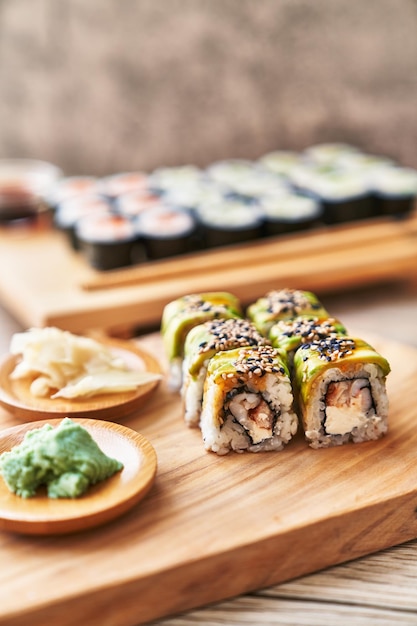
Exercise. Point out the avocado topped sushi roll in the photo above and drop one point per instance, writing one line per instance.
(283, 304)
(340, 383)
(248, 401)
(181, 315)
(202, 343)
(289, 335)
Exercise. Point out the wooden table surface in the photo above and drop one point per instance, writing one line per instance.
(377, 589)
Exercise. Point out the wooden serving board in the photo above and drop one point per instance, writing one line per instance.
(43, 282)
(213, 527)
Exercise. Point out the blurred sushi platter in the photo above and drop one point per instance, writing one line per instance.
(110, 252)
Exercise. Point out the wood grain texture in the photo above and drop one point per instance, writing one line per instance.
(378, 589)
(215, 527)
(325, 259)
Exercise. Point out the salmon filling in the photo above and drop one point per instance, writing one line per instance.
(349, 404)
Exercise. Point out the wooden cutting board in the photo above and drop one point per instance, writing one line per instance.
(213, 527)
(43, 282)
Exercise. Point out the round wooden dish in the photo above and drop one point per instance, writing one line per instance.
(15, 395)
(103, 502)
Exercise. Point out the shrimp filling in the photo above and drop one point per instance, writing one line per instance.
(254, 414)
(349, 404)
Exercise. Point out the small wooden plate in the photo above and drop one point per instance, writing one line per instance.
(15, 395)
(103, 502)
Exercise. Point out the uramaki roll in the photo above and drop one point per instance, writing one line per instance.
(181, 315)
(247, 402)
(289, 335)
(341, 392)
(202, 343)
(284, 304)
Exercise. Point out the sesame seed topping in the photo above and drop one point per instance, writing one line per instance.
(227, 334)
(258, 361)
(290, 301)
(308, 329)
(331, 348)
(195, 304)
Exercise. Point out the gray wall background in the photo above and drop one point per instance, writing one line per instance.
(98, 86)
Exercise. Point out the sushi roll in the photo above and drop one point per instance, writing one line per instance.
(69, 212)
(289, 335)
(71, 187)
(395, 189)
(247, 402)
(117, 184)
(202, 343)
(345, 196)
(281, 162)
(166, 231)
(257, 183)
(230, 171)
(341, 392)
(228, 222)
(283, 304)
(107, 240)
(165, 179)
(289, 212)
(329, 154)
(181, 315)
(132, 203)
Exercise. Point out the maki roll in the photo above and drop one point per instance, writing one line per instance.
(107, 240)
(166, 231)
(283, 304)
(329, 154)
(181, 315)
(117, 184)
(69, 212)
(289, 335)
(289, 212)
(395, 190)
(229, 221)
(165, 179)
(132, 203)
(71, 187)
(341, 392)
(202, 343)
(248, 401)
(344, 195)
(281, 162)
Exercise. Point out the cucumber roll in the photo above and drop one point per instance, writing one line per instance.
(284, 304)
(289, 335)
(341, 393)
(202, 343)
(181, 315)
(247, 402)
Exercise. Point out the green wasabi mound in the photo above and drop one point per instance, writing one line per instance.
(66, 460)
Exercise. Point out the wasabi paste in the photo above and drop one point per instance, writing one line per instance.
(66, 460)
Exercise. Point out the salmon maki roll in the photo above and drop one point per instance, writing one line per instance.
(284, 304)
(341, 391)
(247, 402)
(202, 343)
(181, 315)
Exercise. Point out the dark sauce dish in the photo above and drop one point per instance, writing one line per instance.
(24, 186)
